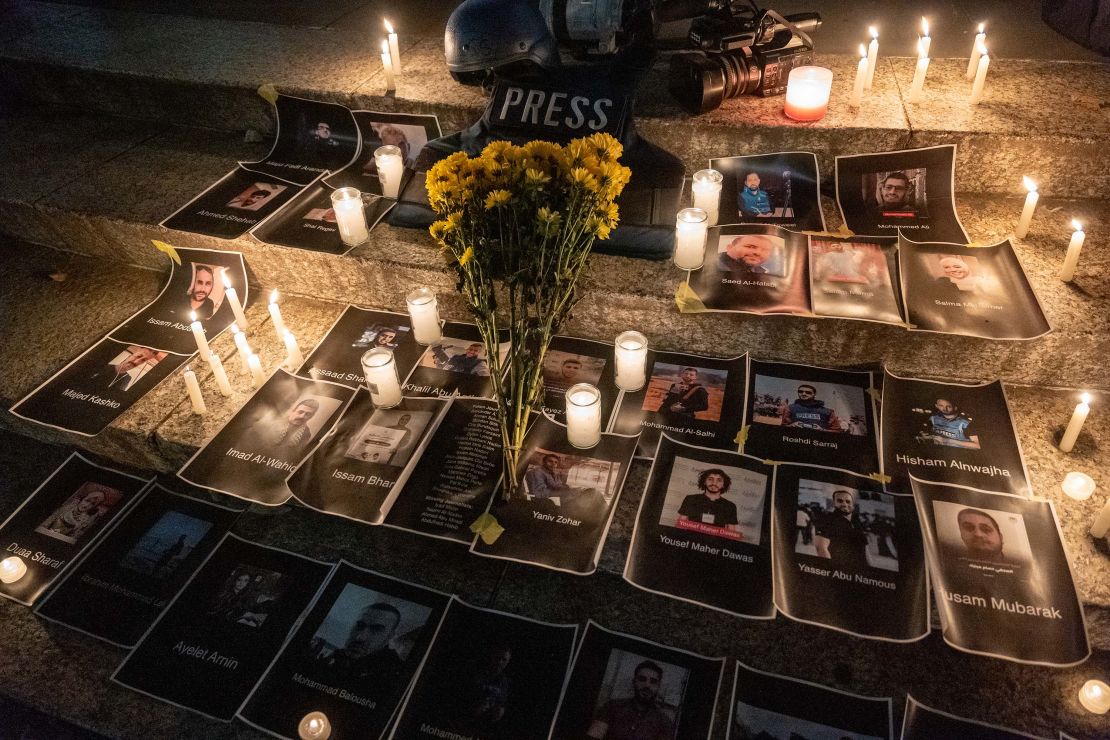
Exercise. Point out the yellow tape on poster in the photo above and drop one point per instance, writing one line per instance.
(168, 250)
(687, 300)
(268, 92)
(487, 527)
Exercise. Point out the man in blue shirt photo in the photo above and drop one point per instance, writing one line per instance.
(753, 201)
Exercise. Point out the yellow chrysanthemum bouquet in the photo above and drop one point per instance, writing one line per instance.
(517, 224)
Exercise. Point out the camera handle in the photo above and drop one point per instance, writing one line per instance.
(778, 18)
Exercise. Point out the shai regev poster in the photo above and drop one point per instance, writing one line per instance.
(855, 278)
(358, 470)
(61, 518)
(117, 591)
(488, 676)
(691, 398)
(815, 415)
(703, 530)
(570, 360)
(456, 365)
(753, 269)
(96, 388)
(565, 501)
(910, 191)
(274, 431)
(974, 291)
(783, 188)
(950, 433)
(338, 356)
(352, 657)
(196, 290)
(623, 686)
(215, 639)
(848, 556)
(920, 722)
(1001, 576)
(767, 706)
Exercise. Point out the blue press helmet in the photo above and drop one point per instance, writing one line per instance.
(503, 36)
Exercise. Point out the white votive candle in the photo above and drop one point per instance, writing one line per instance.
(861, 78)
(872, 56)
(387, 68)
(314, 726)
(258, 377)
(980, 78)
(275, 316)
(1027, 210)
(918, 84)
(1095, 696)
(233, 301)
(583, 415)
(924, 42)
(807, 93)
(12, 569)
(293, 356)
(380, 370)
(977, 46)
(1075, 424)
(707, 193)
(1078, 486)
(424, 312)
(198, 335)
(630, 351)
(691, 228)
(195, 397)
(242, 348)
(1102, 522)
(219, 374)
(390, 166)
(1071, 259)
(394, 47)
(350, 216)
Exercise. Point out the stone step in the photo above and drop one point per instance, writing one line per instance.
(51, 322)
(99, 186)
(204, 72)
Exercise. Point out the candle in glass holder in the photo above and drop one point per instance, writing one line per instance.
(350, 216)
(583, 415)
(707, 193)
(12, 569)
(424, 312)
(314, 726)
(258, 377)
(1027, 211)
(980, 77)
(630, 352)
(219, 374)
(807, 93)
(387, 68)
(293, 354)
(394, 48)
(193, 387)
(380, 370)
(861, 77)
(242, 348)
(391, 165)
(1078, 486)
(275, 316)
(233, 300)
(198, 335)
(1075, 424)
(1075, 246)
(1095, 697)
(977, 46)
(691, 228)
(872, 56)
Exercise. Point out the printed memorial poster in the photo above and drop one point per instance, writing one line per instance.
(95, 389)
(1000, 574)
(821, 416)
(352, 657)
(570, 360)
(691, 398)
(767, 706)
(910, 191)
(924, 723)
(848, 556)
(565, 501)
(454, 366)
(782, 189)
(489, 676)
(950, 433)
(308, 221)
(257, 449)
(855, 278)
(312, 137)
(358, 470)
(196, 287)
(623, 686)
(975, 291)
(703, 530)
(212, 643)
(338, 356)
(456, 476)
(117, 591)
(409, 132)
(60, 520)
(754, 269)
(234, 204)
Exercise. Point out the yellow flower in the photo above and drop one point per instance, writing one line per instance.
(438, 230)
(454, 220)
(608, 212)
(576, 152)
(604, 147)
(548, 217)
(497, 150)
(536, 177)
(543, 150)
(582, 176)
(602, 229)
(466, 256)
(497, 198)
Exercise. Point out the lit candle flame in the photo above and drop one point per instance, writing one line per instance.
(984, 52)
(223, 274)
(192, 315)
(274, 296)
(863, 51)
(235, 328)
(1085, 398)
(1029, 184)
(1076, 225)
(982, 27)
(873, 31)
(924, 27)
(389, 28)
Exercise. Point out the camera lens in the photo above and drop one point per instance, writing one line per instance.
(701, 82)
